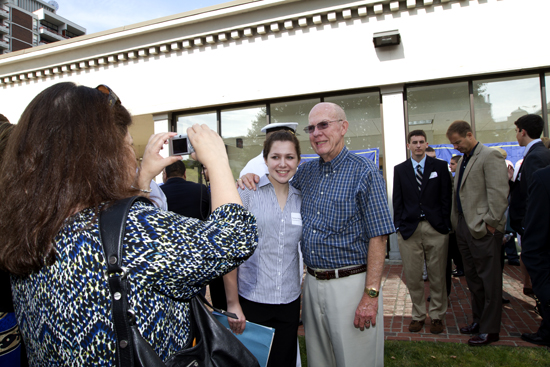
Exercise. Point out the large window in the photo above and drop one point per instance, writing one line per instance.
(185, 121)
(364, 134)
(241, 127)
(498, 103)
(433, 108)
(295, 111)
(241, 132)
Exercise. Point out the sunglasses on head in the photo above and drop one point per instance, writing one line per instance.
(112, 97)
(320, 126)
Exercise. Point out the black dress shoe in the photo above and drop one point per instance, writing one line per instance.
(483, 339)
(458, 273)
(528, 291)
(504, 300)
(470, 329)
(513, 262)
(534, 338)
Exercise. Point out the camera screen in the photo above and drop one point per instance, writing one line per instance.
(179, 146)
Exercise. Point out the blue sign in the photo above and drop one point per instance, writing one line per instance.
(514, 151)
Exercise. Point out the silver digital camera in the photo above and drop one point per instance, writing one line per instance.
(180, 145)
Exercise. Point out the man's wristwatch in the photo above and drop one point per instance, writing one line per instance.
(372, 292)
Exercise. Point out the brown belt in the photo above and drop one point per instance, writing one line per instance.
(334, 274)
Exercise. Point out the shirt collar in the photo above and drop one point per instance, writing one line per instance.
(468, 156)
(529, 146)
(422, 163)
(336, 161)
(264, 181)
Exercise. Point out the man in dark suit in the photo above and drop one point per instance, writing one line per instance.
(184, 197)
(536, 250)
(536, 156)
(479, 202)
(422, 208)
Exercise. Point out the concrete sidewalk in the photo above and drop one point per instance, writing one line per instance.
(517, 317)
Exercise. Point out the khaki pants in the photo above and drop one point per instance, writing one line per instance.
(328, 311)
(427, 243)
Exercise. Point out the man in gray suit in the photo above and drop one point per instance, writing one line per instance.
(479, 203)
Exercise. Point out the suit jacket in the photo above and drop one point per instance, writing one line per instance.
(483, 191)
(187, 198)
(434, 199)
(538, 157)
(535, 244)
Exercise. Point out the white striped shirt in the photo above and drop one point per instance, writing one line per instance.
(272, 274)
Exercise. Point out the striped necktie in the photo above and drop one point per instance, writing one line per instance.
(419, 177)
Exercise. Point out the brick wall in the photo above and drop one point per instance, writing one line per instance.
(21, 34)
(17, 45)
(18, 17)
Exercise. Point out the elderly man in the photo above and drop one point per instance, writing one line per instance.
(346, 221)
(480, 200)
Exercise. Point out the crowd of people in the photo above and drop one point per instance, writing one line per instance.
(70, 157)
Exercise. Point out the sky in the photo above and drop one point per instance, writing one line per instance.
(101, 15)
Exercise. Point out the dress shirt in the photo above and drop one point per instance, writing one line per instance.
(157, 196)
(273, 274)
(344, 205)
(256, 166)
(528, 146)
(422, 163)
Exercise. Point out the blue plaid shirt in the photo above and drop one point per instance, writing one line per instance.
(344, 204)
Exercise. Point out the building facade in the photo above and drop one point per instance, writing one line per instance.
(30, 23)
(242, 64)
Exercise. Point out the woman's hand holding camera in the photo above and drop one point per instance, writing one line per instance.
(153, 162)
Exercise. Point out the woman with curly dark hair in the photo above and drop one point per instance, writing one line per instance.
(68, 158)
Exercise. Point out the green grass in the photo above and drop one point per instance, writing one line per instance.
(404, 354)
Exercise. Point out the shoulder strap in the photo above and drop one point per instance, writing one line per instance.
(112, 226)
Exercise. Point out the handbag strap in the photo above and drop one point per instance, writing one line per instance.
(112, 226)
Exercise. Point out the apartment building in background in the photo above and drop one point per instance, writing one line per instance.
(31, 23)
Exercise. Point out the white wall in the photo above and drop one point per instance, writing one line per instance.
(458, 38)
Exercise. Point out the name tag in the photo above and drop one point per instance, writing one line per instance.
(296, 219)
(433, 175)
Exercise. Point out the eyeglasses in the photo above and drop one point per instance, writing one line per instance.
(112, 97)
(320, 126)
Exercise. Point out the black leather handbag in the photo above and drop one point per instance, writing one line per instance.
(214, 345)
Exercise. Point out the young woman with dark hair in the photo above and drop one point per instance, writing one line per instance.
(266, 288)
(68, 158)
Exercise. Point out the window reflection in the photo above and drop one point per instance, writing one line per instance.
(241, 132)
(182, 124)
(498, 103)
(295, 111)
(433, 108)
(365, 123)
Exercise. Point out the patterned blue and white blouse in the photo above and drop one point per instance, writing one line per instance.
(64, 310)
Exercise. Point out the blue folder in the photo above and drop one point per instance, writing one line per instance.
(256, 338)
